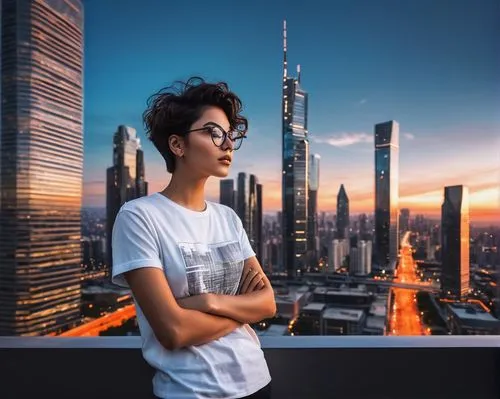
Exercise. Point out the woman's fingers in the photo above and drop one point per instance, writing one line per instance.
(249, 278)
(243, 279)
(255, 282)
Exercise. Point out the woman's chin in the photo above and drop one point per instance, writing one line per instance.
(221, 172)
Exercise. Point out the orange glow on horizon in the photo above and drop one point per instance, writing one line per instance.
(484, 203)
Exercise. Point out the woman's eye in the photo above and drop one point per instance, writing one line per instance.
(216, 133)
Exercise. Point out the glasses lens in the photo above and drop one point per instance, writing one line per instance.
(237, 141)
(241, 127)
(217, 135)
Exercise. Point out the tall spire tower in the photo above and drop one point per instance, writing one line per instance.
(284, 54)
(295, 183)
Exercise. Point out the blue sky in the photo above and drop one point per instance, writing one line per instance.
(431, 65)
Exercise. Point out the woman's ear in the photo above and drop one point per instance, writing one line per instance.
(176, 144)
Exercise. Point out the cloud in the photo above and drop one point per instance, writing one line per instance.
(344, 139)
(363, 101)
(409, 136)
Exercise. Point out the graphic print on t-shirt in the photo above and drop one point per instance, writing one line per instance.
(212, 268)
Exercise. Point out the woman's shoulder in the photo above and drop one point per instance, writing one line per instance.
(222, 210)
(140, 206)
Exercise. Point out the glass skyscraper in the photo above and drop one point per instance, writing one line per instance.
(242, 199)
(312, 212)
(248, 207)
(125, 180)
(252, 228)
(226, 192)
(295, 156)
(455, 242)
(404, 220)
(41, 166)
(259, 241)
(342, 213)
(387, 194)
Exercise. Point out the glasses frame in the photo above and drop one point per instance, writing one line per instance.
(225, 135)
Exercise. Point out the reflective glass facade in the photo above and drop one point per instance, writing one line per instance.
(41, 166)
(387, 194)
(125, 180)
(295, 175)
(312, 204)
(242, 199)
(226, 192)
(342, 213)
(455, 242)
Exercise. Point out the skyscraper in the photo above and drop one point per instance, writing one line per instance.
(252, 228)
(41, 166)
(312, 214)
(242, 200)
(141, 183)
(226, 192)
(387, 194)
(360, 258)
(295, 156)
(259, 241)
(342, 213)
(404, 222)
(455, 242)
(125, 180)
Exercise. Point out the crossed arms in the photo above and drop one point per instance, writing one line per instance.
(199, 319)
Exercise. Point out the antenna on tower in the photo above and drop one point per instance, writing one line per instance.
(284, 50)
(298, 73)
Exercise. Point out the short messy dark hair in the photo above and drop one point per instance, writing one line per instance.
(174, 109)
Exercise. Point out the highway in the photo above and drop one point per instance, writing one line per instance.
(405, 317)
(406, 284)
(94, 327)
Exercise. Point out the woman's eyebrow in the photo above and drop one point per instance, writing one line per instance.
(213, 123)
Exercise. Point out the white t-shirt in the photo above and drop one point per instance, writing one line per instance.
(199, 252)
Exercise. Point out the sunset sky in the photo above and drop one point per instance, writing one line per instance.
(431, 66)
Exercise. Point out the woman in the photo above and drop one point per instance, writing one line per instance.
(194, 277)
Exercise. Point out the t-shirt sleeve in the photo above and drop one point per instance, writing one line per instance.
(246, 248)
(133, 246)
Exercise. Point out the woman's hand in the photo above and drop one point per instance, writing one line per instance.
(205, 303)
(251, 280)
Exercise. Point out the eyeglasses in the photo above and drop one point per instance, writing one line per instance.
(219, 135)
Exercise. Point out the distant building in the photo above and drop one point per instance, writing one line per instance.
(312, 214)
(387, 194)
(455, 242)
(338, 250)
(295, 176)
(311, 317)
(125, 180)
(404, 220)
(226, 193)
(360, 258)
(342, 214)
(242, 200)
(471, 319)
(341, 321)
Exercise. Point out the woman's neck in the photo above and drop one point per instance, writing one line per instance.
(187, 192)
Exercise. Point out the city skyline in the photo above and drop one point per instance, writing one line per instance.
(442, 95)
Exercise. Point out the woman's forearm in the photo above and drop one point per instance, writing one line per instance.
(248, 308)
(198, 328)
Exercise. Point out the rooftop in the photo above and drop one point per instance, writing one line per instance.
(343, 314)
(317, 306)
(375, 322)
(472, 312)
